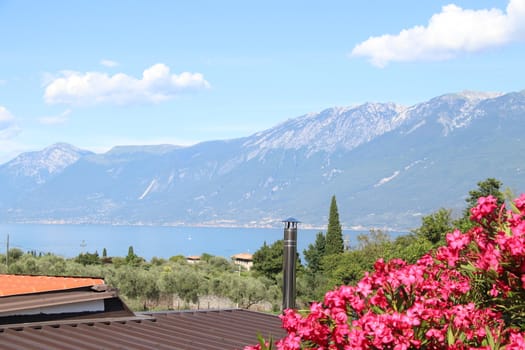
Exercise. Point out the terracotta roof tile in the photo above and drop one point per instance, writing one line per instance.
(25, 284)
(243, 256)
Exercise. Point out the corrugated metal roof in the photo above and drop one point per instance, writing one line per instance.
(25, 284)
(204, 330)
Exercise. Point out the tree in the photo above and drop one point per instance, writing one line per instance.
(315, 253)
(485, 188)
(324, 246)
(52, 265)
(435, 226)
(342, 269)
(410, 247)
(132, 258)
(88, 258)
(490, 186)
(246, 290)
(15, 254)
(334, 234)
(131, 252)
(206, 257)
(185, 281)
(268, 260)
(26, 264)
(137, 284)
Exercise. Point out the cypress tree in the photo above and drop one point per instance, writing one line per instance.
(334, 234)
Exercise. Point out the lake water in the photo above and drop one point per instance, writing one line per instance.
(147, 241)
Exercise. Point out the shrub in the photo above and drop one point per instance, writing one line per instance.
(467, 294)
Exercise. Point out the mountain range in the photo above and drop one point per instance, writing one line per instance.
(387, 165)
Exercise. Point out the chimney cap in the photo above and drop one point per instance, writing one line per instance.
(293, 220)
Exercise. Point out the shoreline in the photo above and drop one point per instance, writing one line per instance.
(201, 225)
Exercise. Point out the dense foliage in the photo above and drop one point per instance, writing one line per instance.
(268, 260)
(467, 294)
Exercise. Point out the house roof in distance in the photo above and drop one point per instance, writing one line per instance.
(243, 256)
(26, 284)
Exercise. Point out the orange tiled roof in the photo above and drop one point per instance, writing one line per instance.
(25, 284)
(243, 256)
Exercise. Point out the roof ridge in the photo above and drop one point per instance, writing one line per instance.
(75, 322)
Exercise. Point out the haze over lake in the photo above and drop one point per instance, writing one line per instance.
(147, 241)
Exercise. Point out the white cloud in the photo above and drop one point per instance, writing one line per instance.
(8, 128)
(387, 179)
(448, 33)
(5, 115)
(108, 63)
(157, 84)
(56, 119)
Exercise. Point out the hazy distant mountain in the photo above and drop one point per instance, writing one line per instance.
(31, 170)
(387, 164)
(42, 165)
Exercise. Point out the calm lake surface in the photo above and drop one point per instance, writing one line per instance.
(147, 241)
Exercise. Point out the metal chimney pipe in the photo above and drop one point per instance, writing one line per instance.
(289, 260)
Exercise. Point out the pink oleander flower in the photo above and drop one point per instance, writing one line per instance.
(513, 244)
(489, 258)
(290, 342)
(339, 315)
(290, 319)
(253, 347)
(516, 341)
(486, 206)
(494, 291)
(365, 285)
(437, 334)
(457, 240)
(448, 254)
(520, 203)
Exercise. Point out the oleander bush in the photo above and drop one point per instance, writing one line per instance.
(467, 294)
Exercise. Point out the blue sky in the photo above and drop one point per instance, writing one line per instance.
(102, 73)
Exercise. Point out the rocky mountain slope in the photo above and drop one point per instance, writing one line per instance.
(387, 164)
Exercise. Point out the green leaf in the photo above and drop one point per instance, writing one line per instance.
(263, 342)
(450, 337)
(490, 338)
